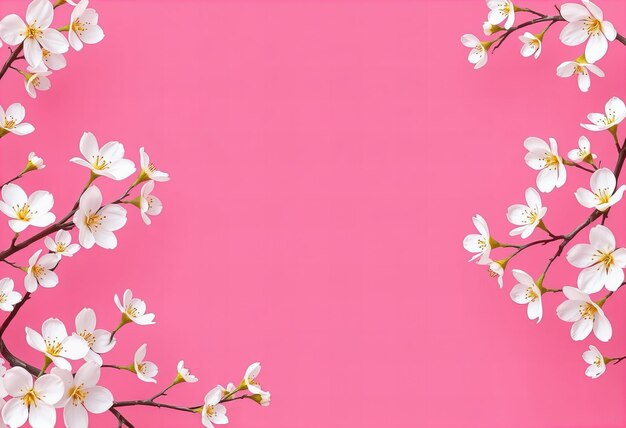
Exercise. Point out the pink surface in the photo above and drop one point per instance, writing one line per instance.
(326, 158)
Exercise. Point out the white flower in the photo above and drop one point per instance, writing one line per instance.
(587, 22)
(250, 379)
(11, 120)
(546, 160)
(107, 161)
(603, 264)
(84, 26)
(184, 375)
(56, 344)
(39, 271)
(501, 10)
(145, 370)
(34, 33)
(581, 68)
(96, 224)
(36, 80)
(213, 412)
(527, 217)
(82, 394)
(496, 269)
(615, 112)
(26, 210)
(479, 243)
(265, 399)
(478, 52)
(133, 309)
(595, 359)
(585, 314)
(53, 61)
(490, 29)
(8, 297)
(230, 388)
(531, 45)
(603, 194)
(31, 401)
(526, 292)
(583, 153)
(149, 204)
(98, 340)
(34, 162)
(61, 244)
(148, 170)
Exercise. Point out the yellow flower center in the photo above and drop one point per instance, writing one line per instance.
(587, 311)
(77, 394)
(209, 410)
(89, 337)
(37, 271)
(8, 123)
(93, 221)
(100, 163)
(606, 259)
(551, 160)
(23, 212)
(78, 27)
(3, 297)
(603, 195)
(60, 247)
(30, 397)
(593, 26)
(33, 32)
(531, 294)
(53, 347)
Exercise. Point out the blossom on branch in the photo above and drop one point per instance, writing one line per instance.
(585, 314)
(602, 263)
(546, 160)
(212, 411)
(581, 68)
(602, 195)
(145, 370)
(95, 223)
(98, 340)
(527, 217)
(24, 210)
(148, 170)
(149, 204)
(183, 374)
(501, 10)
(11, 120)
(583, 153)
(478, 53)
(531, 45)
(55, 343)
(36, 80)
(479, 243)
(8, 297)
(586, 21)
(84, 26)
(614, 114)
(35, 33)
(82, 394)
(133, 309)
(61, 244)
(39, 271)
(32, 401)
(594, 358)
(526, 292)
(107, 161)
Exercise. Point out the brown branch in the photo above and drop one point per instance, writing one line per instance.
(10, 60)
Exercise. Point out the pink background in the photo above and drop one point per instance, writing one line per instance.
(326, 158)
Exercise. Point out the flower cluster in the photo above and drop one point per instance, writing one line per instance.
(599, 257)
(73, 358)
(42, 45)
(585, 24)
